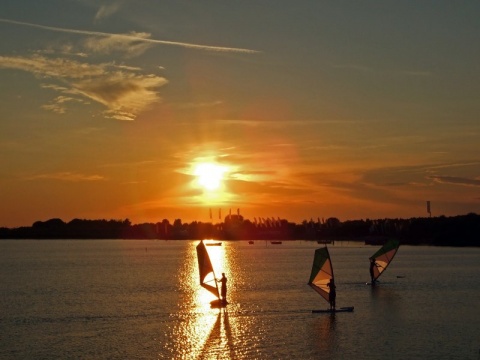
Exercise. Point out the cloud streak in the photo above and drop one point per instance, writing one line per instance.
(106, 10)
(124, 93)
(118, 43)
(57, 104)
(67, 176)
(455, 180)
(132, 37)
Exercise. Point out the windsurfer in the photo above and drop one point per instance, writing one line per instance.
(223, 290)
(332, 294)
(372, 266)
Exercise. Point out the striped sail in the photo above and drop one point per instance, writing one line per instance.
(322, 272)
(384, 257)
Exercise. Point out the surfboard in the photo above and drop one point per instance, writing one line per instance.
(342, 309)
(218, 303)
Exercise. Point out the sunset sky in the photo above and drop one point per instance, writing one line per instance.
(301, 109)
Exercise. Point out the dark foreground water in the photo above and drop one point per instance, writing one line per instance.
(120, 299)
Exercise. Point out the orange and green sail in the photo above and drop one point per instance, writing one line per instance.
(383, 257)
(322, 272)
(207, 275)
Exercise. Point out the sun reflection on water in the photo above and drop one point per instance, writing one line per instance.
(201, 331)
(324, 328)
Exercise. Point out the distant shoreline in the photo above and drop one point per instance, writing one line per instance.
(457, 231)
(360, 242)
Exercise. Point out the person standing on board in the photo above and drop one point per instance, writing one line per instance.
(373, 264)
(223, 290)
(332, 294)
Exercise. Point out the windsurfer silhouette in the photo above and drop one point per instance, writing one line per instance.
(223, 290)
(332, 294)
(372, 266)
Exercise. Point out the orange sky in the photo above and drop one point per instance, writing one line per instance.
(313, 109)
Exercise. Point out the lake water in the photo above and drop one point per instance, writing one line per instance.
(128, 299)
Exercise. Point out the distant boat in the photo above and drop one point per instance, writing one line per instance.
(383, 257)
(251, 242)
(322, 273)
(275, 242)
(214, 244)
(324, 241)
(207, 276)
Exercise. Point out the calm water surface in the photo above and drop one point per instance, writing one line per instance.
(120, 299)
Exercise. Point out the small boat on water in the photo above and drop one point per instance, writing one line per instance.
(275, 242)
(324, 241)
(251, 242)
(214, 244)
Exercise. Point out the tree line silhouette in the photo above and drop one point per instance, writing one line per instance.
(462, 230)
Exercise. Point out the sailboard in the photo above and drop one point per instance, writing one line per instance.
(207, 276)
(383, 257)
(342, 309)
(320, 276)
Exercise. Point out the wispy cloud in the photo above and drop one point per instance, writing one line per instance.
(455, 180)
(239, 122)
(57, 104)
(67, 176)
(459, 164)
(106, 10)
(52, 67)
(132, 46)
(124, 93)
(200, 104)
(278, 123)
(66, 49)
(132, 37)
(132, 164)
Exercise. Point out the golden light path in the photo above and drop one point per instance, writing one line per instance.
(203, 332)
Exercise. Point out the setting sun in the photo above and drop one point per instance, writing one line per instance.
(217, 122)
(209, 175)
